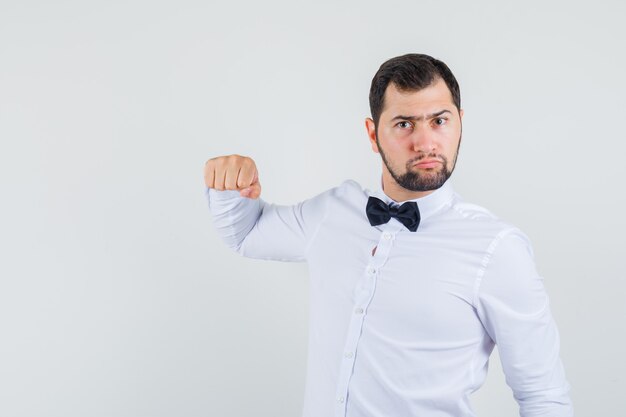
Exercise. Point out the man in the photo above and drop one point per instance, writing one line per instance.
(411, 287)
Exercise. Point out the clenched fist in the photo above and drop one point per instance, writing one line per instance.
(233, 172)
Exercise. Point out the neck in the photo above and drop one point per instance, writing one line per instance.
(398, 193)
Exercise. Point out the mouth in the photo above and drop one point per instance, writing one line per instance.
(429, 163)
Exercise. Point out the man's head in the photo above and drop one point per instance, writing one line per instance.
(416, 121)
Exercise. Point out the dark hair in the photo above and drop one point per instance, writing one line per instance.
(410, 72)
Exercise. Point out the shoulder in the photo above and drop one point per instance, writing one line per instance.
(483, 220)
(347, 190)
(350, 187)
(348, 195)
(473, 212)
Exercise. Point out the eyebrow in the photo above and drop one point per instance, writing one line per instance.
(418, 118)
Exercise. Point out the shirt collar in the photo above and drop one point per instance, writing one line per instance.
(428, 205)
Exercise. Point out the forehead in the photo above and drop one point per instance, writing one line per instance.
(435, 97)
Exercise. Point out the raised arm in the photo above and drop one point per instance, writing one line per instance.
(251, 226)
(514, 308)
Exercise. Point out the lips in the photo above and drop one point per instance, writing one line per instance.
(428, 163)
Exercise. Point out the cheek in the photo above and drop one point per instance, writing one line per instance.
(449, 149)
(395, 148)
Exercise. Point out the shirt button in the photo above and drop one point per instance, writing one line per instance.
(340, 399)
(348, 354)
(359, 311)
(386, 235)
(371, 270)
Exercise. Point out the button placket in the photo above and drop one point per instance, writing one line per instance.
(362, 301)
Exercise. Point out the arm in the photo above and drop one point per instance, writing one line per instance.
(257, 229)
(248, 224)
(513, 306)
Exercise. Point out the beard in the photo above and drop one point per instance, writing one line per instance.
(414, 180)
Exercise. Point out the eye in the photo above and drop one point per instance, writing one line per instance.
(404, 124)
(440, 121)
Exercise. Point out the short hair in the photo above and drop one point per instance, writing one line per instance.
(410, 72)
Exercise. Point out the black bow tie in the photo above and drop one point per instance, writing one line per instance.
(379, 212)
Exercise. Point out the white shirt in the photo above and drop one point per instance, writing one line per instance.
(407, 330)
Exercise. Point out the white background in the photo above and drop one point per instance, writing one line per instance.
(116, 296)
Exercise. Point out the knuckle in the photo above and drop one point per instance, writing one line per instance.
(226, 167)
(231, 160)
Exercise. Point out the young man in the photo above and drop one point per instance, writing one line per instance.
(411, 287)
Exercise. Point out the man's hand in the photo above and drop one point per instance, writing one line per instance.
(233, 172)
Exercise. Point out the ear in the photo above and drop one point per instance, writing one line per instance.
(461, 113)
(371, 133)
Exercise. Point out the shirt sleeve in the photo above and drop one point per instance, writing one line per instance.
(257, 229)
(513, 306)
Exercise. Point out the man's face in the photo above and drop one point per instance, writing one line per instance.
(418, 136)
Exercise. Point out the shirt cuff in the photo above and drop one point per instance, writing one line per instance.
(214, 194)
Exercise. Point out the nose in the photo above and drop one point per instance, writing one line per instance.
(423, 139)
